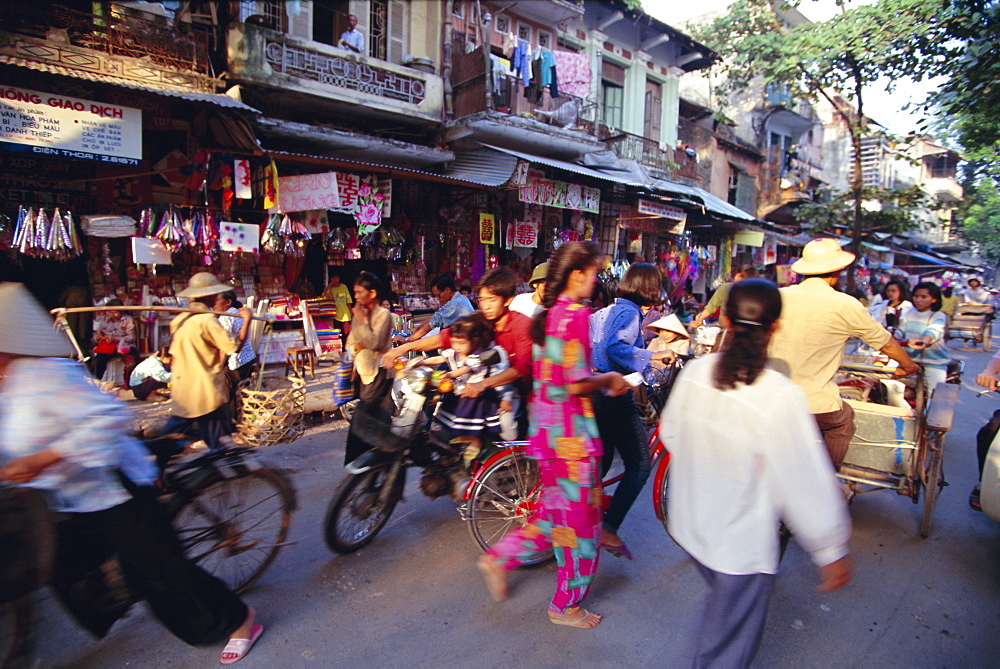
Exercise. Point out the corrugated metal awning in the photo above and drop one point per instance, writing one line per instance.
(184, 94)
(484, 167)
(614, 177)
(381, 169)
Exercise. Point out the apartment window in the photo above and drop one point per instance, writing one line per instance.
(524, 32)
(941, 166)
(271, 13)
(613, 94)
(653, 111)
(544, 39)
(742, 190)
(329, 20)
(388, 30)
(502, 24)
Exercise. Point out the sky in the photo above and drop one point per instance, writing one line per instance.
(885, 108)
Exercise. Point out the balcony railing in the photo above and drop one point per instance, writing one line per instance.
(133, 34)
(643, 150)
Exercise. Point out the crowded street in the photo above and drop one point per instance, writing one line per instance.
(413, 597)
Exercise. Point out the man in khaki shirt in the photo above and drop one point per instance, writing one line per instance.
(816, 322)
(200, 347)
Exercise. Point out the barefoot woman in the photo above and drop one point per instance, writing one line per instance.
(564, 440)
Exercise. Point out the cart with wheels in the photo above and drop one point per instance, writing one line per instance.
(972, 323)
(898, 448)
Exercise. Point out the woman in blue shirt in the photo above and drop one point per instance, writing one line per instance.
(922, 328)
(618, 346)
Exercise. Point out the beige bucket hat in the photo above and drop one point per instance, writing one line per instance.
(672, 323)
(204, 284)
(25, 327)
(822, 256)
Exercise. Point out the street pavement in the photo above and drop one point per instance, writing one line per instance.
(414, 597)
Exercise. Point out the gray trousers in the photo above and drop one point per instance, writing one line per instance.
(730, 628)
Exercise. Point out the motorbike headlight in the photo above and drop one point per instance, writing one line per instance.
(416, 379)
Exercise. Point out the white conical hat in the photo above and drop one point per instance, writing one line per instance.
(25, 327)
(672, 323)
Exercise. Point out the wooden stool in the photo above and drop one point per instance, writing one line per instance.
(298, 359)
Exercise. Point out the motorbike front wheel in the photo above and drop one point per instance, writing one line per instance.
(357, 511)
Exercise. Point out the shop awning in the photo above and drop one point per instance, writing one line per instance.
(697, 196)
(182, 93)
(387, 170)
(618, 177)
(485, 167)
(928, 260)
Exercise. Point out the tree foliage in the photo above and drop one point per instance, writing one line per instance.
(982, 222)
(884, 210)
(970, 98)
(836, 59)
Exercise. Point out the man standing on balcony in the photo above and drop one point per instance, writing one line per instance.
(352, 39)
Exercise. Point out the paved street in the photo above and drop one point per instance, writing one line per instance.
(414, 597)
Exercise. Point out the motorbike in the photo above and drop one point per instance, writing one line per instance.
(989, 484)
(494, 482)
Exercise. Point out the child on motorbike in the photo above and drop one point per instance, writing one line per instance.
(471, 337)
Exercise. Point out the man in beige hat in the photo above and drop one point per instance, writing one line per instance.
(530, 304)
(200, 348)
(816, 322)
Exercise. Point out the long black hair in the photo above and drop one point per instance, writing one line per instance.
(568, 258)
(752, 308)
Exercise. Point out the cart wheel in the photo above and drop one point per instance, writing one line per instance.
(935, 481)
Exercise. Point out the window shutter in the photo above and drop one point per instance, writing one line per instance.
(300, 25)
(746, 193)
(613, 73)
(398, 30)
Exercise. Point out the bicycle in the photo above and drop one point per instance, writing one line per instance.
(231, 513)
(504, 491)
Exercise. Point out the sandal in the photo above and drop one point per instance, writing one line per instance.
(974, 501)
(585, 620)
(495, 576)
(240, 647)
(618, 550)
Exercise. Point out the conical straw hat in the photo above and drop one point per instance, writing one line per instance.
(25, 327)
(672, 323)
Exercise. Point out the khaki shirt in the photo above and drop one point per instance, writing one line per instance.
(816, 321)
(200, 347)
(373, 339)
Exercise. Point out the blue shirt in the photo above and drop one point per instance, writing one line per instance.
(616, 339)
(451, 311)
(50, 404)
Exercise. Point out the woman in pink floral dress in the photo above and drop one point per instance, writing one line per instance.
(563, 438)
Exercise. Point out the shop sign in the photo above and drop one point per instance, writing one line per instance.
(239, 237)
(55, 125)
(348, 186)
(552, 193)
(304, 192)
(662, 210)
(487, 229)
(524, 234)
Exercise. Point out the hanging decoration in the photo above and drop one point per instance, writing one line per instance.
(41, 236)
(171, 231)
(368, 209)
(283, 235)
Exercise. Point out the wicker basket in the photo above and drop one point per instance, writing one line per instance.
(272, 414)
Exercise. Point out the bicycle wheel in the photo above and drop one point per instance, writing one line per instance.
(15, 632)
(357, 512)
(504, 498)
(234, 527)
(935, 481)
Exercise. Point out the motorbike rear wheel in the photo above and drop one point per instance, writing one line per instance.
(357, 512)
(503, 498)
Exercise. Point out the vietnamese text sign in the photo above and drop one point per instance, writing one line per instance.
(56, 125)
(661, 210)
(304, 192)
(560, 194)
